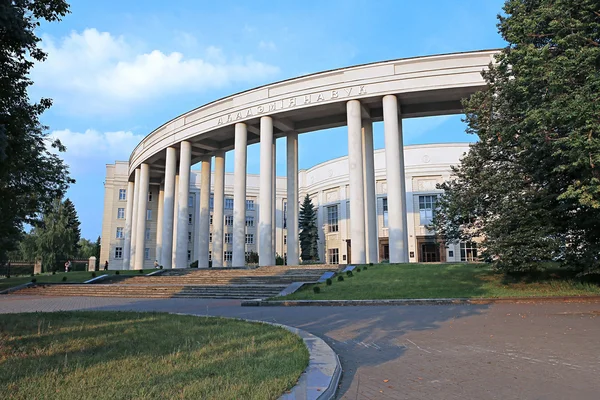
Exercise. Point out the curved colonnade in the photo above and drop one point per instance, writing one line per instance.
(356, 96)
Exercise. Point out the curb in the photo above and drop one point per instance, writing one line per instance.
(98, 278)
(15, 288)
(320, 379)
(415, 302)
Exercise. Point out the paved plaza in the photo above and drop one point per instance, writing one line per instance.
(501, 351)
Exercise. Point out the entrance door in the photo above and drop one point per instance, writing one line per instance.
(429, 252)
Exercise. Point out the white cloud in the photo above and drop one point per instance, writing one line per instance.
(95, 72)
(267, 45)
(87, 150)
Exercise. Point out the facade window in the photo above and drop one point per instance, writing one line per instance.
(284, 239)
(427, 208)
(249, 221)
(209, 255)
(228, 203)
(119, 232)
(211, 216)
(146, 253)
(211, 202)
(189, 257)
(210, 237)
(229, 238)
(190, 219)
(249, 204)
(122, 194)
(148, 215)
(333, 256)
(249, 238)
(121, 213)
(147, 234)
(229, 220)
(227, 255)
(149, 196)
(468, 251)
(191, 201)
(332, 218)
(189, 237)
(385, 212)
(118, 253)
(284, 214)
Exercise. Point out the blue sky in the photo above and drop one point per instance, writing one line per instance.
(118, 69)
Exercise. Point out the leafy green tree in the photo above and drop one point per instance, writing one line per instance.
(56, 238)
(309, 234)
(86, 248)
(530, 187)
(31, 175)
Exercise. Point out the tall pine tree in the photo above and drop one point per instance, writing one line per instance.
(308, 231)
(530, 188)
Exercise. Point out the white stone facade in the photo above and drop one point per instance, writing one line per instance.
(327, 184)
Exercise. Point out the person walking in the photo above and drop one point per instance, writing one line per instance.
(106, 265)
(68, 265)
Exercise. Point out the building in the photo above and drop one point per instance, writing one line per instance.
(327, 184)
(356, 97)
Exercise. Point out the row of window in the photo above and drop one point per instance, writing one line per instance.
(468, 251)
(427, 206)
(228, 200)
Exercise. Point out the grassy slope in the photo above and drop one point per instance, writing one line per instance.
(405, 281)
(117, 355)
(76, 276)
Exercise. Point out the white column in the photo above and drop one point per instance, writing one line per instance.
(128, 224)
(396, 187)
(134, 218)
(355, 161)
(204, 220)
(159, 223)
(140, 229)
(265, 224)
(371, 232)
(292, 198)
(274, 203)
(166, 259)
(175, 218)
(239, 195)
(185, 159)
(218, 210)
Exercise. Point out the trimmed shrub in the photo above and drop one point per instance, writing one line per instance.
(160, 267)
(7, 276)
(64, 279)
(328, 281)
(370, 264)
(93, 274)
(340, 278)
(53, 272)
(357, 269)
(117, 272)
(365, 268)
(349, 273)
(32, 274)
(33, 280)
(141, 271)
(316, 289)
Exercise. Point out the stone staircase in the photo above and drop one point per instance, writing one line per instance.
(240, 284)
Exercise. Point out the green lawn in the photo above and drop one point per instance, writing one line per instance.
(410, 281)
(126, 355)
(72, 277)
